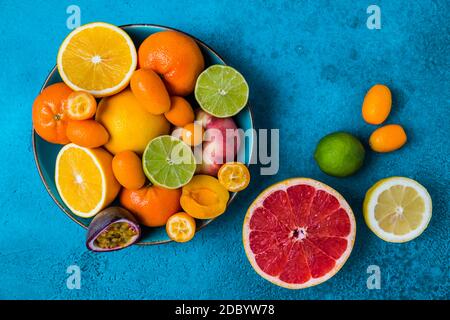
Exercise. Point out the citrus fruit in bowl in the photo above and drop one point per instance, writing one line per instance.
(45, 153)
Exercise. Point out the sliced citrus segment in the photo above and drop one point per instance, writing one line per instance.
(397, 209)
(168, 162)
(98, 58)
(192, 134)
(81, 105)
(221, 91)
(298, 233)
(85, 180)
(181, 227)
(234, 176)
(129, 124)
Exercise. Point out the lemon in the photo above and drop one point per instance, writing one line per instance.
(85, 180)
(397, 209)
(129, 124)
(98, 58)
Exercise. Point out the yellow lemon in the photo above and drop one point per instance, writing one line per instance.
(98, 58)
(129, 124)
(397, 209)
(85, 180)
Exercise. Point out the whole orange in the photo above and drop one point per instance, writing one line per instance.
(81, 105)
(49, 118)
(127, 168)
(176, 57)
(152, 205)
(150, 90)
(180, 113)
(87, 133)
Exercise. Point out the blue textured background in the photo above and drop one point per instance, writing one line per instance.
(309, 65)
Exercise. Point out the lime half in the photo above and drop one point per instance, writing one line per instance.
(221, 91)
(168, 162)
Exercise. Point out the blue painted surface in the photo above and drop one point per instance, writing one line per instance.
(308, 66)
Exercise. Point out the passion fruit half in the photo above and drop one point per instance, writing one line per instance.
(112, 229)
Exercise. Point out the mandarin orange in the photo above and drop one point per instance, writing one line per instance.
(49, 118)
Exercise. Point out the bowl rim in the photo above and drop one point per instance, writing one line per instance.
(33, 134)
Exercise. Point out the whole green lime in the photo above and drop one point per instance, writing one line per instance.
(339, 154)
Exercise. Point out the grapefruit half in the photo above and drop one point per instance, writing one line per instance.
(298, 233)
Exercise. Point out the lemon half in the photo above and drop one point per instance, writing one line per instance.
(397, 209)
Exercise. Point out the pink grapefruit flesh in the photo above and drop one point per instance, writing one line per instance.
(298, 233)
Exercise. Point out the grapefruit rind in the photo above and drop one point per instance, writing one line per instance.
(283, 185)
(370, 202)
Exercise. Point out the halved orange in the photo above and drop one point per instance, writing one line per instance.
(85, 180)
(98, 57)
